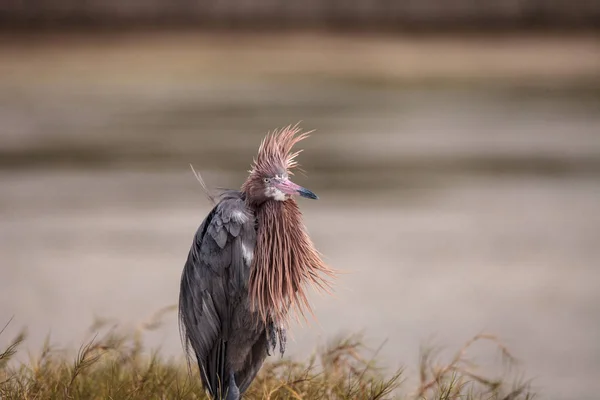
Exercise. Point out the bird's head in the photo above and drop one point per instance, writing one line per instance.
(271, 170)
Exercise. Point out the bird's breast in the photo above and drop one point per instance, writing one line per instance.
(247, 253)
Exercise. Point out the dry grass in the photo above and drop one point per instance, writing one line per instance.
(115, 366)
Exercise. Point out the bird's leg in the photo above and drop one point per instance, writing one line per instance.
(271, 333)
(233, 392)
(282, 333)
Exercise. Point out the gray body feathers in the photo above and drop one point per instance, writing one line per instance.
(228, 339)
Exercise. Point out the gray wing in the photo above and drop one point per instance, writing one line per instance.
(213, 282)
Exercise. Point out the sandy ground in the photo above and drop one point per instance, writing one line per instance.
(516, 257)
(455, 210)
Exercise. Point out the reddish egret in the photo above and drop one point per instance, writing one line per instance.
(248, 269)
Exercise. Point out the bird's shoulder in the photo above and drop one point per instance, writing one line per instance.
(230, 218)
(226, 235)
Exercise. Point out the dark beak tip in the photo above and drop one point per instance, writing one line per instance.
(308, 194)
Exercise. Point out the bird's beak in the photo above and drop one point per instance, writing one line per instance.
(289, 187)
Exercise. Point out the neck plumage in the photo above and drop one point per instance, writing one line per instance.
(285, 263)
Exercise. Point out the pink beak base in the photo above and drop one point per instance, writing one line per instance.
(289, 187)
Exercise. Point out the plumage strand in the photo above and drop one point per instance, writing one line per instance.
(286, 262)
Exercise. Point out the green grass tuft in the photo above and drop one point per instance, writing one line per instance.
(115, 366)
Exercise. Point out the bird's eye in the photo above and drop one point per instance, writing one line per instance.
(267, 180)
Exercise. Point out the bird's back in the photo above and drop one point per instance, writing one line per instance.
(229, 341)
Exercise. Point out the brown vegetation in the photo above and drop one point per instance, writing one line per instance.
(116, 366)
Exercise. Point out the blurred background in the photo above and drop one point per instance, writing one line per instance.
(457, 157)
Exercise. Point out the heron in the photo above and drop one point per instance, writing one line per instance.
(248, 270)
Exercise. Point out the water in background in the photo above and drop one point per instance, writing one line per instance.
(454, 210)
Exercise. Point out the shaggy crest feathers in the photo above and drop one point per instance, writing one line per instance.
(275, 151)
(286, 262)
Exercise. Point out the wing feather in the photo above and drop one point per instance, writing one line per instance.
(214, 278)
